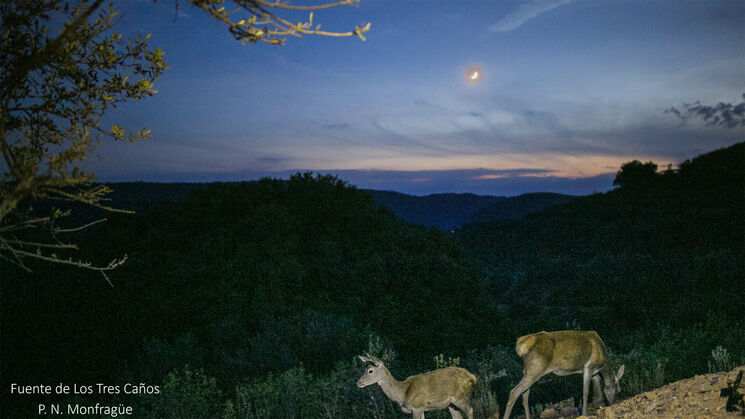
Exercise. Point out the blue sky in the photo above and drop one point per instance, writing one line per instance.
(570, 91)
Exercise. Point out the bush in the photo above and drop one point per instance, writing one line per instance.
(720, 360)
(188, 394)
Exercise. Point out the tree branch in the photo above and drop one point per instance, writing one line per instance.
(38, 59)
(276, 4)
(46, 245)
(19, 254)
(83, 227)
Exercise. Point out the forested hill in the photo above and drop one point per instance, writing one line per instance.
(243, 279)
(663, 247)
(144, 196)
(444, 211)
(449, 211)
(252, 299)
(518, 207)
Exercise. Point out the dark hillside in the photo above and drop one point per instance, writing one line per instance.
(443, 211)
(446, 211)
(666, 253)
(243, 279)
(452, 211)
(518, 207)
(251, 299)
(144, 196)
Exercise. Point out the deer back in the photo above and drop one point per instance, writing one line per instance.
(564, 351)
(439, 387)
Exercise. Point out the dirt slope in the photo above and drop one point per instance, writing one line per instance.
(693, 397)
(696, 397)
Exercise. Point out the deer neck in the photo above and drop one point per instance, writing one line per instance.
(608, 376)
(394, 389)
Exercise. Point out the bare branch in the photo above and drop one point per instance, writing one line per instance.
(44, 245)
(358, 31)
(266, 26)
(83, 227)
(19, 254)
(278, 5)
(66, 196)
(16, 262)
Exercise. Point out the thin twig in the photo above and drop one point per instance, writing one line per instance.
(47, 245)
(278, 5)
(87, 265)
(16, 262)
(71, 230)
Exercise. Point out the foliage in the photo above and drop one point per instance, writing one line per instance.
(63, 68)
(720, 360)
(188, 394)
(655, 269)
(449, 211)
(296, 393)
(659, 253)
(498, 370)
(635, 174)
(238, 278)
(441, 362)
(272, 288)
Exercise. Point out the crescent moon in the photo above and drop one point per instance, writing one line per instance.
(474, 75)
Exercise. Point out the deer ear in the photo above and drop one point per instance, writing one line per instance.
(377, 361)
(620, 372)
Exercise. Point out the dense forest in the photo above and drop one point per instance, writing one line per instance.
(253, 299)
(449, 211)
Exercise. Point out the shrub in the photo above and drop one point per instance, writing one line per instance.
(720, 360)
(188, 394)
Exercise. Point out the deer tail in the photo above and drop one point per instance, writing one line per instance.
(523, 345)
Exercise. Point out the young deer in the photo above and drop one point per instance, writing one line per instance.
(563, 353)
(434, 390)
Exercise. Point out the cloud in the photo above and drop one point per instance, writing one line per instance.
(524, 13)
(480, 181)
(336, 126)
(273, 160)
(723, 115)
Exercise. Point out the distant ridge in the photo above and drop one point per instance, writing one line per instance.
(517, 207)
(449, 211)
(445, 211)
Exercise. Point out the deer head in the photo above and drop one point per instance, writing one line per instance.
(612, 386)
(374, 372)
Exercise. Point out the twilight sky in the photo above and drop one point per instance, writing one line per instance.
(570, 91)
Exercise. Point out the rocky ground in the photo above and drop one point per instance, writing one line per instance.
(697, 397)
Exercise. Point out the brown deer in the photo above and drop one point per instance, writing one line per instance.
(562, 353)
(449, 387)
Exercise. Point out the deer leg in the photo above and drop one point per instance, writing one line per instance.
(454, 413)
(418, 413)
(520, 388)
(526, 406)
(465, 407)
(597, 391)
(585, 389)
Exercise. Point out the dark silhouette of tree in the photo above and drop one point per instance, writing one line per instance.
(635, 174)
